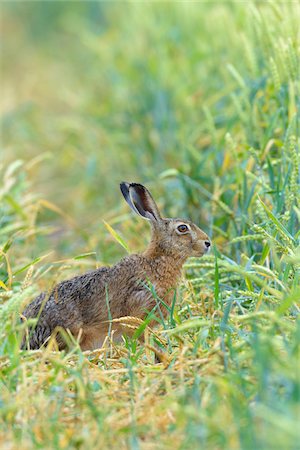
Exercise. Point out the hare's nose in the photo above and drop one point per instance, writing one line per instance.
(207, 244)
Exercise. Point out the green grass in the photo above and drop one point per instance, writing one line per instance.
(199, 101)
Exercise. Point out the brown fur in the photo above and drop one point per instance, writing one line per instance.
(84, 303)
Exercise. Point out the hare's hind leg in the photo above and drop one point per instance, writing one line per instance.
(91, 339)
(94, 338)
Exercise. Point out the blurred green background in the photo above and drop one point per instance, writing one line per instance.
(199, 101)
(94, 93)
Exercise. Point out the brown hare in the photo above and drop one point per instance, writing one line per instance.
(84, 304)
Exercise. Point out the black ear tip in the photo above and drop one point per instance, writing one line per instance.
(124, 189)
(137, 186)
(124, 186)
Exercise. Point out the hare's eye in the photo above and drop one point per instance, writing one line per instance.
(182, 228)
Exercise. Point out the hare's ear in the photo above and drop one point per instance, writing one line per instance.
(140, 200)
(125, 191)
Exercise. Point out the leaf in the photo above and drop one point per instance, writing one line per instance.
(85, 255)
(31, 263)
(8, 268)
(265, 252)
(7, 246)
(279, 226)
(188, 325)
(293, 297)
(168, 173)
(15, 165)
(3, 285)
(116, 236)
(217, 285)
(236, 75)
(15, 205)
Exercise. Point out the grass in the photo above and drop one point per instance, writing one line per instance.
(200, 101)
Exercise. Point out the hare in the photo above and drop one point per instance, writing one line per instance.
(85, 304)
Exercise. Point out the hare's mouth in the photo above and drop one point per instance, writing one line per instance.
(198, 251)
(201, 249)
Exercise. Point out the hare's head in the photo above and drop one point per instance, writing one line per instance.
(177, 237)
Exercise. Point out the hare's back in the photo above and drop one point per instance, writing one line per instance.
(71, 303)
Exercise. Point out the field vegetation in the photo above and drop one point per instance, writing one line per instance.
(200, 102)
